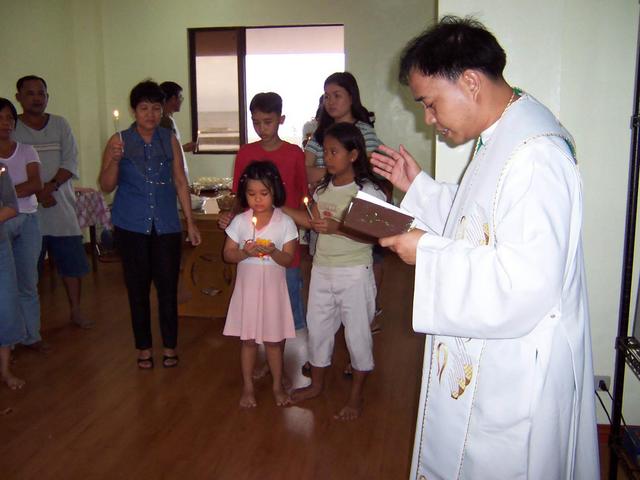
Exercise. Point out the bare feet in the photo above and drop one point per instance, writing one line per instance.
(80, 320)
(40, 346)
(13, 382)
(282, 399)
(351, 411)
(248, 399)
(261, 372)
(306, 393)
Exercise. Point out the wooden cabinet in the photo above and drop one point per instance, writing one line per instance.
(206, 281)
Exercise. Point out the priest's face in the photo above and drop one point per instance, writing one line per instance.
(449, 105)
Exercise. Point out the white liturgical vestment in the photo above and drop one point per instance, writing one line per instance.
(507, 386)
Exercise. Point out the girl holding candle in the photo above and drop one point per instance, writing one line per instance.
(146, 165)
(260, 310)
(342, 288)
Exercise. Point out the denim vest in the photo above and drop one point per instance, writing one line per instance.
(146, 195)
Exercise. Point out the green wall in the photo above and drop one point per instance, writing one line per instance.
(92, 52)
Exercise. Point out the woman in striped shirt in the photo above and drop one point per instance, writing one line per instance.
(341, 104)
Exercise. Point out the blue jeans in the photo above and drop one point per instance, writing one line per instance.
(23, 232)
(294, 285)
(11, 324)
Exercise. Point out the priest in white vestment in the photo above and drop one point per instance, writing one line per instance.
(507, 389)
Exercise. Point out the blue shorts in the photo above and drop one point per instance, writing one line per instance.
(294, 285)
(67, 253)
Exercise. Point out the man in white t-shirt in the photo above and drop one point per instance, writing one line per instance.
(52, 138)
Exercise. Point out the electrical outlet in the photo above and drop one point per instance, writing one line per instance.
(602, 378)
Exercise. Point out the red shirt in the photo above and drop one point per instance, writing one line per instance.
(289, 159)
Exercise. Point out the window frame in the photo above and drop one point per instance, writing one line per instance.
(241, 49)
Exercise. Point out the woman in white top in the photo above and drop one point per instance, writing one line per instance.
(23, 231)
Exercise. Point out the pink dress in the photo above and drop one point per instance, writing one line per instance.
(260, 309)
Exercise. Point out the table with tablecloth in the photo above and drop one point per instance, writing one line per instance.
(92, 210)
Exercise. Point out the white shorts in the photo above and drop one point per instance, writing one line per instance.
(341, 295)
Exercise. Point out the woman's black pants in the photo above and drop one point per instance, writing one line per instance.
(145, 259)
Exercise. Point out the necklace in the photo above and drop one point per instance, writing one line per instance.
(515, 95)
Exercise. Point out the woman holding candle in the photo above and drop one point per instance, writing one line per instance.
(262, 241)
(12, 328)
(23, 231)
(146, 165)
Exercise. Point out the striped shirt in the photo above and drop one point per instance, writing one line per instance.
(57, 149)
(371, 141)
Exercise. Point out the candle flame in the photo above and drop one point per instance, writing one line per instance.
(116, 114)
(2, 170)
(305, 200)
(254, 220)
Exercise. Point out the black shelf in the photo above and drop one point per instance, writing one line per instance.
(630, 468)
(630, 348)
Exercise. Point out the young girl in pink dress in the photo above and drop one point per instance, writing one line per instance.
(262, 241)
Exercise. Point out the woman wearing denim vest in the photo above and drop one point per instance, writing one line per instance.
(146, 164)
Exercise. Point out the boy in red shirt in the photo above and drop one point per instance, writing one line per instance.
(266, 115)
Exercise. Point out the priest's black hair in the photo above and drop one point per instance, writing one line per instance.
(450, 47)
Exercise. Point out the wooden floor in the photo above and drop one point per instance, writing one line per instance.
(88, 412)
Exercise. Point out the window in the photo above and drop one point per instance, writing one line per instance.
(228, 66)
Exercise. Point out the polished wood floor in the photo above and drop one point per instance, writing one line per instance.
(87, 412)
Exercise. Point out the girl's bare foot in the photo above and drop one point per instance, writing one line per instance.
(13, 382)
(351, 411)
(282, 399)
(248, 399)
(306, 393)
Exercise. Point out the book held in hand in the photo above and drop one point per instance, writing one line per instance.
(376, 218)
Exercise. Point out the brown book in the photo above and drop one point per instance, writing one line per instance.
(373, 217)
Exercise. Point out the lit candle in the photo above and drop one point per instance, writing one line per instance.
(254, 220)
(198, 142)
(306, 204)
(116, 118)
(2, 170)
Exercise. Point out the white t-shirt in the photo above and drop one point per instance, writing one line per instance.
(17, 163)
(280, 230)
(57, 148)
(338, 250)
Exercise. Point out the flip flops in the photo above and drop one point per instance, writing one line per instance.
(170, 361)
(145, 363)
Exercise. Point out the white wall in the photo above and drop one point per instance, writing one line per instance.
(577, 57)
(93, 52)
